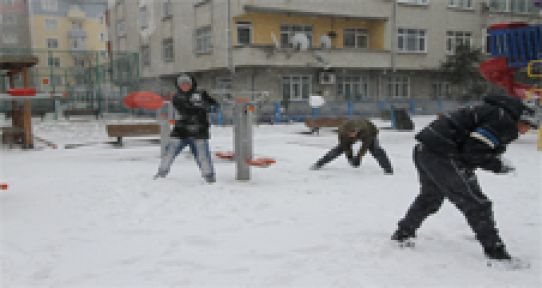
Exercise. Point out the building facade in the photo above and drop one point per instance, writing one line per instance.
(286, 50)
(15, 31)
(67, 36)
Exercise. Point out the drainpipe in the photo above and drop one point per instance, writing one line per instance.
(394, 35)
(228, 37)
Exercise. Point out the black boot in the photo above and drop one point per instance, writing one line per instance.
(497, 252)
(401, 235)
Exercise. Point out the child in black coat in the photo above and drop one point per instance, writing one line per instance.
(449, 151)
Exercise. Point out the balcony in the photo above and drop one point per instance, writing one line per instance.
(332, 58)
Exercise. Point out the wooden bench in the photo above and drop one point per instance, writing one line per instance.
(316, 123)
(131, 130)
(81, 112)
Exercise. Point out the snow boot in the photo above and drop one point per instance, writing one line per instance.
(403, 238)
(497, 252)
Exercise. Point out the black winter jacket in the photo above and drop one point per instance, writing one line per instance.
(192, 108)
(475, 136)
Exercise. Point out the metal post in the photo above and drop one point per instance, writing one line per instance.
(164, 126)
(242, 139)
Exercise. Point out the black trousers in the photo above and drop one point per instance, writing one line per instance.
(440, 178)
(375, 149)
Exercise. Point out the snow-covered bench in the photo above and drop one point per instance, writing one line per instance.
(316, 123)
(131, 130)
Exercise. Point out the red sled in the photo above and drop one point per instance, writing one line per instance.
(228, 155)
(261, 162)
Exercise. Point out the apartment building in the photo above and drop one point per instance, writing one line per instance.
(66, 35)
(14, 23)
(286, 50)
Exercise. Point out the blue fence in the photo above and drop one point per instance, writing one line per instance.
(274, 112)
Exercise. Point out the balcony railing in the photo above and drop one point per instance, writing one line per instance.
(347, 58)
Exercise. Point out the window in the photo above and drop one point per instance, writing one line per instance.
(352, 87)
(7, 2)
(166, 9)
(8, 38)
(54, 61)
(441, 90)
(52, 43)
(167, 50)
(244, 33)
(204, 40)
(356, 38)
(398, 87)
(51, 24)
(121, 28)
(296, 87)
(417, 2)
(9, 19)
(411, 40)
(77, 43)
(77, 25)
(143, 20)
(102, 36)
(146, 55)
(465, 4)
(288, 31)
(457, 38)
(49, 5)
(515, 6)
(223, 87)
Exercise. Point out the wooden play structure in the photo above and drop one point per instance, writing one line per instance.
(20, 131)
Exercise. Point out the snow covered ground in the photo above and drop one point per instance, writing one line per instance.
(93, 217)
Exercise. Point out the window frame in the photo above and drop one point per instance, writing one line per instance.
(49, 41)
(349, 83)
(287, 31)
(245, 25)
(48, 23)
(296, 79)
(203, 40)
(452, 40)
(460, 4)
(146, 55)
(49, 5)
(405, 38)
(168, 50)
(166, 9)
(396, 83)
(357, 32)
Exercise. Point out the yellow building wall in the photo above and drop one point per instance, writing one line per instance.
(263, 25)
(40, 34)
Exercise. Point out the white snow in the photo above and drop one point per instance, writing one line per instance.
(93, 217)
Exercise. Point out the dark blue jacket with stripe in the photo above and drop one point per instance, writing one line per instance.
(475, 136)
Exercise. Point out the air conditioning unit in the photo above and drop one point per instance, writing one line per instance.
(327, 78)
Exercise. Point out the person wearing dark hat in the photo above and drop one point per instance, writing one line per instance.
(350, 132)
(450, 149)
(191, 128)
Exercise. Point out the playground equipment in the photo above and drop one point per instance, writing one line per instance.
(20, 131)
(243, 141)
(514, 45)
